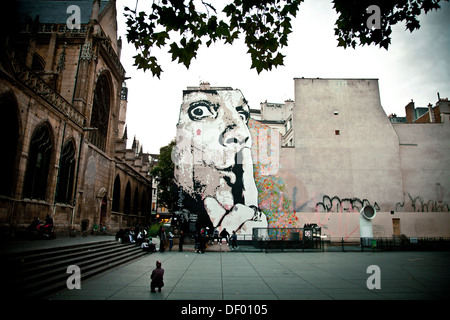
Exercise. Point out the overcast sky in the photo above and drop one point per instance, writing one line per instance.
(416, 66)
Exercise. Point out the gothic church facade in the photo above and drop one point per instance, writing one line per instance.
(63, 103)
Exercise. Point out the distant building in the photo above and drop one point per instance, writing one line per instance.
(277, 116)
(428, 115)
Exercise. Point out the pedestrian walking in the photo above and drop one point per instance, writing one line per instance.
(233, 239)
(170, 240)
(224, 234)
(202, 242)
(157, 278)
(180, 245)
(162, 240)
(196, 241)
(216, 235)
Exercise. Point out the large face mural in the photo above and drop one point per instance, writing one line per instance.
(213, 161)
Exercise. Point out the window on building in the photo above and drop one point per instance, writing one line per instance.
(100, 113)
(38, 165)
(136, 202)
(144, 203)
(127, 199)
(124, 92)
(37, 63)
(337, 132)
(288, 125)
(116, 195)
(66, 174)
(9, 135)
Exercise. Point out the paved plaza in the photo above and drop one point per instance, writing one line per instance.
(225, 275)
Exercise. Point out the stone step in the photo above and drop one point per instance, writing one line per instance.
(58, 281)
(45, 268)
(28, 262)
(29, 253)
(92, 271)
(38, 274)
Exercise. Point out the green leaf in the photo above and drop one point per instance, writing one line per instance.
(175, 50)
(341, 42)
(279, 60)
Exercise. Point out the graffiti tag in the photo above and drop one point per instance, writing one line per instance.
(336, 204)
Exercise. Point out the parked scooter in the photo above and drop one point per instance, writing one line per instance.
(38, 230)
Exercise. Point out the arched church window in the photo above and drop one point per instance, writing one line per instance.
(100, 113)
(66, 174)
(9, 135)
(127, 200)
(144, 203)
(37, 63)
(136, 202)
(116, 195)
(38, 165)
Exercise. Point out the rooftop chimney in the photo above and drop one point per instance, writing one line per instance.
(431, 113)
(204, 85)
(410, 112)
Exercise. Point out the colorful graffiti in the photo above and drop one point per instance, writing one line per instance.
(273, 198)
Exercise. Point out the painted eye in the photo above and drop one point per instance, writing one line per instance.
(244, 116)
(243, 113)
(200, 110)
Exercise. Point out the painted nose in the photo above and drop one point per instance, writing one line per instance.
(235, 136)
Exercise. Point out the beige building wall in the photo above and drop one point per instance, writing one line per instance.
(345, 146)
(425, 162)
